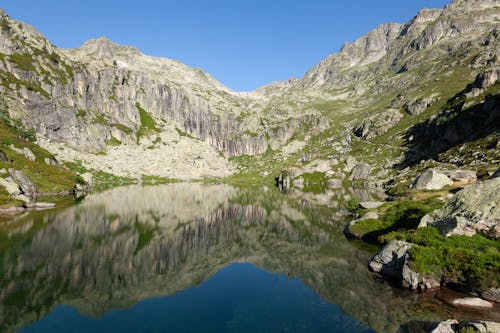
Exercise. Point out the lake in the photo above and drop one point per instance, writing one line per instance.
(192, 257)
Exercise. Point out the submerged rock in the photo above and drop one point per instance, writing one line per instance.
(473, 210)
(431, 180)
(473, 302)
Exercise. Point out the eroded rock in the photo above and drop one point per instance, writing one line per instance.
(475, 209)
(431, 180)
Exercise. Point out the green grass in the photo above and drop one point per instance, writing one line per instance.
(47, 178)
(23, 62)
(113, 142)
(470, 261)
(400, 215)
(148, 124)
(314, 182)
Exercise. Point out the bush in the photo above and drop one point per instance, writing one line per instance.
(352, 205)
(470, 261)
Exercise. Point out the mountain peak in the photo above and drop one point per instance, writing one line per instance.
(103, 47)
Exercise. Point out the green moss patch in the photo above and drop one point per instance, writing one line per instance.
(148, 124)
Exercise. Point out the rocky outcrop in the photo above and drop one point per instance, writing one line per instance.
(3, 157)
(360, 171)
(483, 81)
(393, 262)
(26, 185)
(473, 210)
(419, 106)
(431, 180)
(453, 326)
(378, 124)
(391, 259)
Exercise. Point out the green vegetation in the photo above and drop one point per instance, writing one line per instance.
(400, 215)
(472, 261)
(314, 182)
(48, 178)
(113, 142)
(184, 134)
(7, 79)
(148, 124)
(23, 61)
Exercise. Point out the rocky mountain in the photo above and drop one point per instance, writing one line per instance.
(378, 101)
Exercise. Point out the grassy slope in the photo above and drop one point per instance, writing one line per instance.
(49, 179)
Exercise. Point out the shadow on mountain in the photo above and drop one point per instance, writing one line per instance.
(453, 127)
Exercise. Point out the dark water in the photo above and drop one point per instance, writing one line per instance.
(197, 258)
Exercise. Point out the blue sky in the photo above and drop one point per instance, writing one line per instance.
(243, 43)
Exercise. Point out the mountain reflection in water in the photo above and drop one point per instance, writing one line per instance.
(132, 244)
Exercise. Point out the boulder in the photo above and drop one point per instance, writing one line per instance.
(369, 216)
(492, 294)
(431, 180)
(10, 186)
(390, 260)
(334, 183)
(460, 175)
(50, 161)
(377, 124)
(472, 302)
(371, 204)
(446, 326)
(3, 157)
(27, 187)
(40, 205)
(453, 326)
(360, 171)
(475, 209)
(420, 105)
(25, 151)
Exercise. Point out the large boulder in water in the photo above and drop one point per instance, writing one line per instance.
(431, 180)
(473, 210)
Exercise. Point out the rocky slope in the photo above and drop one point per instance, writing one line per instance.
(427, 89)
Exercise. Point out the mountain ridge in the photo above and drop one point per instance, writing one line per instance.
(89, 104)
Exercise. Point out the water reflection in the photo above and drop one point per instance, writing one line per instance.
(128, 244)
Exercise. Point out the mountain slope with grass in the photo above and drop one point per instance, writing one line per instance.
(397, 101)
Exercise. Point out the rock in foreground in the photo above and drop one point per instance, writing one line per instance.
(473, 210)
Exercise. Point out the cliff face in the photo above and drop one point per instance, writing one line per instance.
(105, 99)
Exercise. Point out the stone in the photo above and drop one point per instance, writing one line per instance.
(25, 151)
(431, 180)
(419, 106)
(492, 294)
(377, 124)
(334, 183)
(10, 186)
(371, 204)
(473, 302)
(410, 278)
(50, 161)
(40, 205)
(390, 260)
(360, 171)
(446, 326)
(460, 175)
(480, 326)
(27, 187)
(473, 210)
(3, 157)
(369, 215)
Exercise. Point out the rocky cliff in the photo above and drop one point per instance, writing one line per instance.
(105, 105)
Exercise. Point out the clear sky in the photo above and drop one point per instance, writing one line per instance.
(242, 43)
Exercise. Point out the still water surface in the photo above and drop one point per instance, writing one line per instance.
(197, 258)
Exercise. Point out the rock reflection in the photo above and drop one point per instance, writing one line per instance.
(121, 246)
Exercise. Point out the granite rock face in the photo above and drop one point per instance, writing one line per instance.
(473, 210)
(431, 180)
